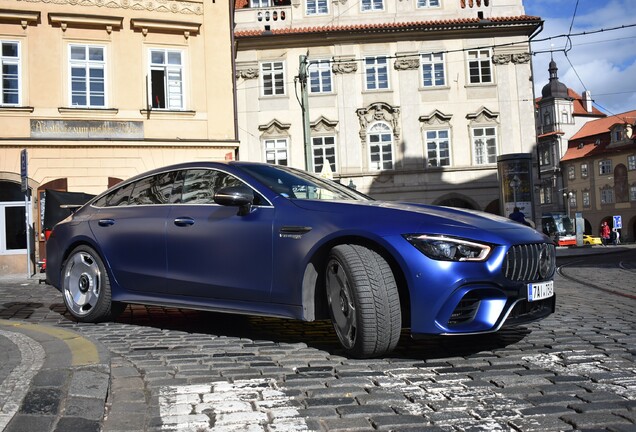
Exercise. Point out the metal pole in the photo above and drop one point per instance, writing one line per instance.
(302, 76)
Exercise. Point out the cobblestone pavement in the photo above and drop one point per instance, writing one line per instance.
(175, 370)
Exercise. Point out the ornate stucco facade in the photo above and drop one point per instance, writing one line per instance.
(408, 100)
(99, 90)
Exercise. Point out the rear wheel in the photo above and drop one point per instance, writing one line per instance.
(86, 287)
(363, 301)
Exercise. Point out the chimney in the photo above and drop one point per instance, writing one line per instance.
(587, 101)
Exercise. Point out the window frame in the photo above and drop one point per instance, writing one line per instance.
(375, 71)
(478, 64)
(605, 167)
(372, 5)
(632, 192)
(486, 146)
(631, 162)
(323, 146)
(426, 4)
(433, 64)
(571, 172)
(437, 140)
(607, 195)
(584, 170)
(88, 66)
(271, 75)
(10, 61)
(387, 130)
(586, 199)
(167, 69)
(316, 7)
(275, 150)
(321, 71)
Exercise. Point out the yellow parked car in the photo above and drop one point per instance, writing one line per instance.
(591, 240)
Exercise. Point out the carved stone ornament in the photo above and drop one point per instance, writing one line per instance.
(248, 73)
(406, 64)
(501, 59)
(344, 67)
(379, 112)
(521, 58)
(162, 6)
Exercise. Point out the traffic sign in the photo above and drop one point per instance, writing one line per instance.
(24, 170)
(618, 222)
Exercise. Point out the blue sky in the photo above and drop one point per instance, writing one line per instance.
(603, 63)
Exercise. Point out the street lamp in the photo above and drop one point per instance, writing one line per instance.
(567, 196)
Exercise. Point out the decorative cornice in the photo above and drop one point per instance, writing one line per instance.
(247, 73)
(344, 67)
(80, 20)
(517, 58)
(162, 6)
(379, 112)
(144, 25)
(436, 117)
(23, 17)
(406, 64)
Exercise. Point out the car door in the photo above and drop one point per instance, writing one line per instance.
(212, 251)
(130, 231)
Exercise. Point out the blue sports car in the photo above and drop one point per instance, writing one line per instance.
(271, 240)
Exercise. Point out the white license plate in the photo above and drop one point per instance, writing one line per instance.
(540, 291)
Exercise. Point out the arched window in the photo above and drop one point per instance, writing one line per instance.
(380, 141)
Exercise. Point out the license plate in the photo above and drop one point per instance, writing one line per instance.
(540, 291)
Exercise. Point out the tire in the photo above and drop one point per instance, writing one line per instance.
(86, 287)
(363, 301)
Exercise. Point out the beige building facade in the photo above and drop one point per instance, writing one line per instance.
(98, 91)
(407, 100)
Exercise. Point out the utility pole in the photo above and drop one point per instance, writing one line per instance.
(304, 105)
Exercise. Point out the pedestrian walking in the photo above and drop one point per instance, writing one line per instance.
(605, 233)
(616, 237)
(518, 216)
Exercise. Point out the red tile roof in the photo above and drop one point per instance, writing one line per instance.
(603, 125)
(410, 25)
(579, 107)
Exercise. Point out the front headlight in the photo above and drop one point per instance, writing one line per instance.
(443, 248)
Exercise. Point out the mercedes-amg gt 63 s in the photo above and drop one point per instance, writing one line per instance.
(271, 240)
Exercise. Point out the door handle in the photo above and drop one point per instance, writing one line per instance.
(106, 222)
(183, 221)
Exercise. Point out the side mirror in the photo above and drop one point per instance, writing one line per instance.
(235, 196)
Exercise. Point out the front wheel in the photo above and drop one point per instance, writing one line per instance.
(363, 301)
(86, 287)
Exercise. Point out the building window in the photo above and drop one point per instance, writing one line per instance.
(605, 167)
(320, 76)
(584, 170)
(479, 69)
(324, 151)
(547, 118)
(564, 117)
(484, 145)
(545, 158)
(572, 200)
(545, 195)
(377, 73)
(166, 79)
(88, 80)
(260, 3)
(372, 5)
(380, 141)
(571, 172)
(427, 3)
(273, 78)
(438, 148)
(617, 134)
(317, 7)
(586, 199)
(631, 162)
(276, 151)
(10, 73)
(607, 195)
(433, 74)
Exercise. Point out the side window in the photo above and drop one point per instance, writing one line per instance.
(120, 196)
(153, 190)
(199, 186)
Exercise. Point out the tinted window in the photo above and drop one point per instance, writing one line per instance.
(153, 190)
(199, 186)
(120, 196)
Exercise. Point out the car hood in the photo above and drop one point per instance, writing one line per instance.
(428, 218)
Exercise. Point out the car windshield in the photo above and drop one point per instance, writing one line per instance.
(293, 183)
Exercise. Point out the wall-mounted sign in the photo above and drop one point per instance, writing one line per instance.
(86, 129)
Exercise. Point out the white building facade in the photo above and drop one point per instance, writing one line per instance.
(408, 100)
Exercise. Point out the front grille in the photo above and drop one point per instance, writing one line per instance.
(530, 262)
(465, 311)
